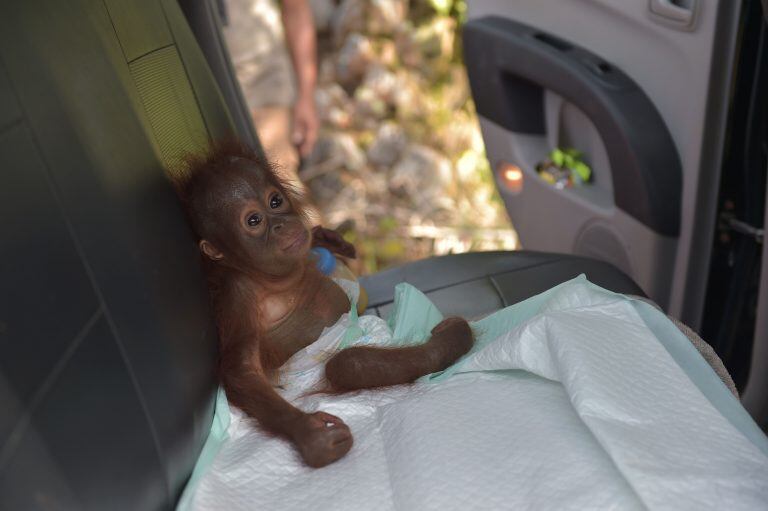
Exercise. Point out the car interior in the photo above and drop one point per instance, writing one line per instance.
(107, 343)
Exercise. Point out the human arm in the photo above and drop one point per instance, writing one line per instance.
(301, 39)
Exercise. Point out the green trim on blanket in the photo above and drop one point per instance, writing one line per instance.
(216, 437)
(413, 316)
(701, 373)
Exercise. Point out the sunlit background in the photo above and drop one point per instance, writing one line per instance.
(399, 167)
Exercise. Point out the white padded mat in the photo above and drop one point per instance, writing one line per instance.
(577, 407)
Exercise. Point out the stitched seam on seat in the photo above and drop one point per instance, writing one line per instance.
(467, 281)
(22, 424)
(498, 291)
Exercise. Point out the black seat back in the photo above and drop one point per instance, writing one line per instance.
(107, 350)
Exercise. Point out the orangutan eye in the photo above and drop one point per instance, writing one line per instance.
(275, 201)
(254, 220)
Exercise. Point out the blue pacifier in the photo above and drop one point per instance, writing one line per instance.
(326, 262)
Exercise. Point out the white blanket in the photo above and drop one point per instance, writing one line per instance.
(579, 406)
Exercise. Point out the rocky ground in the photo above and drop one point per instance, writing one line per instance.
(400, 167)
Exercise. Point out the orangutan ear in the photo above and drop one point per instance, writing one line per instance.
(210, 251)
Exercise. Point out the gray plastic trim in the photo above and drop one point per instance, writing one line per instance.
(511, 65)
(693, 261)
(668, 13)
(755, 396)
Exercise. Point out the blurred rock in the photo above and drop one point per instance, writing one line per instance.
(322, 12)
(333, 152)
(389, 144)
(349, 204)
(467, 167)
(369, 108)
(455, 137)
(384, 16)
(382, 82)
(326, 69)
(456, 92)
(422, 174)
(324, 189)
(339, 118)
(334, 106)
(348, 18)
(407, 46)
(377, 184)
(408, 97)
(437, 38)
(430, 42)
(345, 226)
(353, 59)
(387, 53)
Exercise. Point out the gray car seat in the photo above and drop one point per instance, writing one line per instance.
(107, 349)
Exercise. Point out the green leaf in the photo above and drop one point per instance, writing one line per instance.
(582, 170)
(558, 157)
(442, 6)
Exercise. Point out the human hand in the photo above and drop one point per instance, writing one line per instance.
(305, 124)
(321, 438)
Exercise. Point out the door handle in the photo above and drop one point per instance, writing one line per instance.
(680, 13)
(511, 66)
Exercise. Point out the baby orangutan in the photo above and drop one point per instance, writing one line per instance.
(270, 301)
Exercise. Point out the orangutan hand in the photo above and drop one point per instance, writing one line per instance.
(321, 438)
(333, 241)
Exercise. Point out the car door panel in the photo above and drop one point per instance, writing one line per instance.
(638, 92)
(535, 91)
